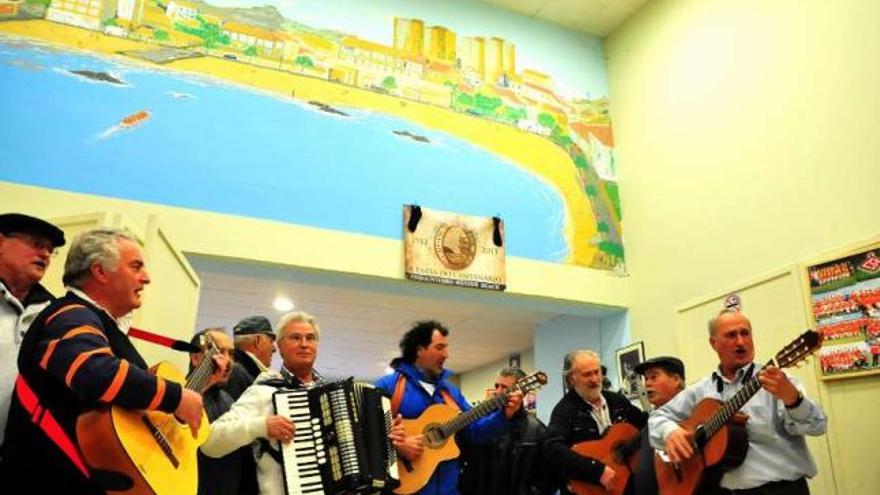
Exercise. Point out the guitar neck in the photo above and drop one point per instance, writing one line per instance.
(484, 408)
(730, 407)
(199, 377)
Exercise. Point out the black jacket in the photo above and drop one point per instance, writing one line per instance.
(572, 422)
(244, 372)
(510, 464)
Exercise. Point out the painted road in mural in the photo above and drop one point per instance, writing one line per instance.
(96, 125)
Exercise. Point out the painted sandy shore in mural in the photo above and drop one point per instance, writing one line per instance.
(585, 228)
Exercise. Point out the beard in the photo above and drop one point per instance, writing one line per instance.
(589, 394)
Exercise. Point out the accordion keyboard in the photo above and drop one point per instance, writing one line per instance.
(305, 455)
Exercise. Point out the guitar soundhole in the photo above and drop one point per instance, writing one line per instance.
(434, 436)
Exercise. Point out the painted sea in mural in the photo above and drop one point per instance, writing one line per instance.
(112, 128)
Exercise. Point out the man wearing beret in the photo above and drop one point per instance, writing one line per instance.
(26, 247)
(664, 379)
(254, 346)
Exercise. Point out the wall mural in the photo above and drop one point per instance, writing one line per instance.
(325, 113)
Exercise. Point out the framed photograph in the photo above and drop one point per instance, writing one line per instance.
(627, 359)
(844, 292)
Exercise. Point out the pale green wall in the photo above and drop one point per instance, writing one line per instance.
(747, 140)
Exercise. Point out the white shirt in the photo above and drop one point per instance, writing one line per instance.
(15, 319)
(600, 414)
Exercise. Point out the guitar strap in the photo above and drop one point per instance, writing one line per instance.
(43, 418)
(400, 388)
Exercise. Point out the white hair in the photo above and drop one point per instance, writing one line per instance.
(297, 317)
(95, 246)
(571, 357)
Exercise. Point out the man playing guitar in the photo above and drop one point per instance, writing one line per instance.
(777, 460)
(664, 379)
(422, 380)
(584, 413)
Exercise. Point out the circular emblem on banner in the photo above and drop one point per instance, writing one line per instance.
(455, 246)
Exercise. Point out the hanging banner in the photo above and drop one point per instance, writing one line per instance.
(451, 249)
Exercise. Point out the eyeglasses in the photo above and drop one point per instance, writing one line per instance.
(39, 243)
(308, 338)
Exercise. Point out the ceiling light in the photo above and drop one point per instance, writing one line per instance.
(282, 304)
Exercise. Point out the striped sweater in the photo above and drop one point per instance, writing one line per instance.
(76, 359)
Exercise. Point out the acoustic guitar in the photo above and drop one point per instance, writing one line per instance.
(613, 450)
(440, 422)
(136, 452)
(720, 432)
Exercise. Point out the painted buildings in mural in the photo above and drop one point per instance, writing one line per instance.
(430, 64)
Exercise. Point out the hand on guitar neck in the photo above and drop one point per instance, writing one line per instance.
(222, 369)
(777, 383)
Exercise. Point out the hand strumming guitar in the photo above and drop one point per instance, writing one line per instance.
(189, 410)
(680, 445)
(397, 434)
(411, 447)
(608, 479)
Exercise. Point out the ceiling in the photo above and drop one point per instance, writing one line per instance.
(362, 319)
(595, 17)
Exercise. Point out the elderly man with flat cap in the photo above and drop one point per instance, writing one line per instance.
(664, 379)
(26, 247)
(254, 346)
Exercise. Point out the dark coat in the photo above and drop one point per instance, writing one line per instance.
(244, 372)
(510, 464)
(572, 422)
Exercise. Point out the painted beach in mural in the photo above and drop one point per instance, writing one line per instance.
(323, 113)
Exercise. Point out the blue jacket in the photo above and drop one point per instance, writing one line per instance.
(416, 400)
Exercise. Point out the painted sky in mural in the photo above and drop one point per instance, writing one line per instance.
(495, 94)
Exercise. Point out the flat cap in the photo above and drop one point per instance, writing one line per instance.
(668, 363)
(252, 325)
(11, 223)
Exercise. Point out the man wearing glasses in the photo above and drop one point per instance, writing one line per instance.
(26, 248)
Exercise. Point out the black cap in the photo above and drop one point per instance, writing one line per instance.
(11, 223)
(668, 363)
(252, 325)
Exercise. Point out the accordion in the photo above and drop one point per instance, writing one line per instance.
(341, 442)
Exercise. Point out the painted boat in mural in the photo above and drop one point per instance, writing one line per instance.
(134, 119)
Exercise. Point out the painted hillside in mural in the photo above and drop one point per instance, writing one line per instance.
(318, 112)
